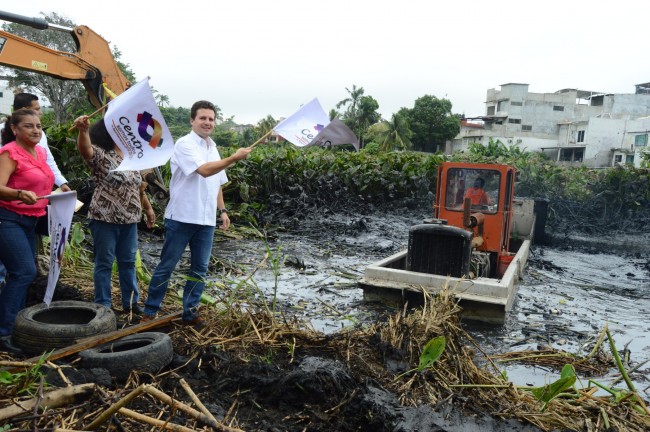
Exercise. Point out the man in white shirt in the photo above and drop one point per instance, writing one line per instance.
(30, 101)
(191, 215)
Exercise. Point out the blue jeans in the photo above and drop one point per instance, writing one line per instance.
(111, 242)
(177, 236)
(18, 254)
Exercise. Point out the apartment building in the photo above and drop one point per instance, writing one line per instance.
(571, 126)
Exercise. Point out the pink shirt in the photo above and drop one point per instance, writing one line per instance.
(32, 174)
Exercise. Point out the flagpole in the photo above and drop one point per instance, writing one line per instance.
(90, 116)
(266, 135)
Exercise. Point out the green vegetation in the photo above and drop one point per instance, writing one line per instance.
(432, 123)
(390, 135)
(281, 174)
(29, 381)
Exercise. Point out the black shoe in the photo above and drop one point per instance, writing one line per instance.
(135, 309)
(7, 345)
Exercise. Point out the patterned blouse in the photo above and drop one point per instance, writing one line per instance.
(116, 198)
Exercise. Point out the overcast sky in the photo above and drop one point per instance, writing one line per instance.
(253, 58)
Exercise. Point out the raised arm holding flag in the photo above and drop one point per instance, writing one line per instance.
(114, 212)
(136, 125)
(196, 198)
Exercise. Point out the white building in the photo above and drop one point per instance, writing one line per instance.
(6, 100)
(571, 126)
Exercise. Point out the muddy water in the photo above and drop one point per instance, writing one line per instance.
(570, 290)
(567, 298)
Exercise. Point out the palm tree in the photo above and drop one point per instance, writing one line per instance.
(361, 111)
(393, 134)
(163, 100)
(218, 114)
(264, 126)
(352, 102)
(397, 134)
(366, 116)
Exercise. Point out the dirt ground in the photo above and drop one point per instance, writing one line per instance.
(291, 380)
(258, 372)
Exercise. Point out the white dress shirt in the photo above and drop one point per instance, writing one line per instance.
(193, 198)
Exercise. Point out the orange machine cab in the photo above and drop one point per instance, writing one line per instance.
(477, 197)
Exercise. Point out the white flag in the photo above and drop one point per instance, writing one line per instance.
(304, 125)
(335, 133)
(136, 125)
(59, 214)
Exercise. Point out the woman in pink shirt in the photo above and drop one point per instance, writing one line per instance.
(24, 177)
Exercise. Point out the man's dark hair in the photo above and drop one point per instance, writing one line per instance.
(100, 137)
(481, 181)
(202, 104)
(23, 100)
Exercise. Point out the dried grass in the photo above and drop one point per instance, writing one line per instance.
(250, 329)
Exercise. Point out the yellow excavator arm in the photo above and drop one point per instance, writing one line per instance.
(93, 63)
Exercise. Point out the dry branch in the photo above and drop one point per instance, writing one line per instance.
(53, 399)
(188, 410)
(196, 399)
(103, 417)
(154, 422)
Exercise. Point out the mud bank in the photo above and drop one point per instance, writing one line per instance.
(324, 382)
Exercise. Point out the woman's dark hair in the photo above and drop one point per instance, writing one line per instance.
(202, 104)
(100, 137)
(13, 120)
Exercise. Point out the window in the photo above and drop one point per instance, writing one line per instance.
(629, 159)
(618, 158)
(516, 103)
(526, 128)
(514, 121)
(501, 105)
(597, 100)
(641, 140)
(571, 154)
(558, 108)
(461, 180)
(490, 110)
(581, 136)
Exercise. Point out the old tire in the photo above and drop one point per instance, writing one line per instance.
(148, 352)
(40, 328)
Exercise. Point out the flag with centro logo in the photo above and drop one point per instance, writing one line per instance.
(136, 125)
(335, 133)
(301, 127)
(310, 126)
(61, 207)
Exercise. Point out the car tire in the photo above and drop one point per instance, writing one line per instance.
(147, 352)
(40, 328)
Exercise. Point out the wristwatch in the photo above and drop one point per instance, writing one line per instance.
(223, 210)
